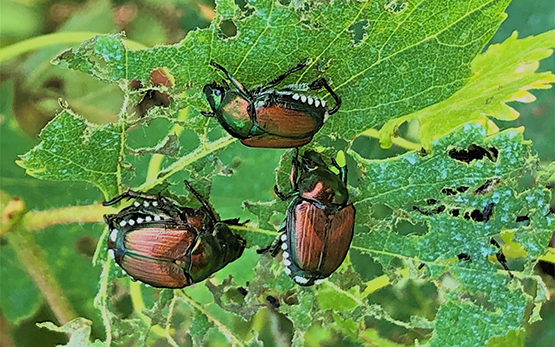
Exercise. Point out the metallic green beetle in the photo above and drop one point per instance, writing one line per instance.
(264, 117)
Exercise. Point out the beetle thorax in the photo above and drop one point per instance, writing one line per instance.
(323, 187)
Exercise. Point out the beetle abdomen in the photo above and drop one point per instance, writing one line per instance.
(340, 234)
(157, 273)
(319, 243)
(288, 122)
(156, 255)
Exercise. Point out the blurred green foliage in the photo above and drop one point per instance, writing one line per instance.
(394, 316)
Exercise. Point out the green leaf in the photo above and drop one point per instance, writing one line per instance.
(504, 73)
(74, 150)
(79, 330)
(398, 66)
(448, 192)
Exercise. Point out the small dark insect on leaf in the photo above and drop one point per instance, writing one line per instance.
(242, 291)
(273, 301)
(488, 211)
(421, 266)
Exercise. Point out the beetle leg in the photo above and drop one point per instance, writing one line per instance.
(322, 83)
(274, 247)
(203, 202)
(281, 77)
(235, 83)
(342, 171)
(295, 164)
(282, 196)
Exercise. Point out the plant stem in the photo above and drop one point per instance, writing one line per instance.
(399, 141)
(32, 259)
(37, 220)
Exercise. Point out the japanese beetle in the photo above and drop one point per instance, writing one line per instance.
(165, 245)
(264, 117)
(320, 220)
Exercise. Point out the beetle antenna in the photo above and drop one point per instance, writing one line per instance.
(321, 82)
(236, 83)
(202, 201)
(283, 76)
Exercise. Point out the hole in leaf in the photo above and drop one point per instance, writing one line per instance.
(431, 201)
(290, 298)
(476, 216)
(242, 291)
(525, 220)
(462, 189)
(227, 29)
(380, 211)
(487, 187)
(464, 257)
(245, 9)
(276, 219)
(365, 265)
(359, 32)
(474, 152)
(273, 301)
(395, 6)
(448, 191)
(478, 298)
(406, 228)
(436, 210)
(455, 213)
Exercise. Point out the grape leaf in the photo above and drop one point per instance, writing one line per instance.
(74, 150)
(399, 65)
(79, 330)
(505, 72)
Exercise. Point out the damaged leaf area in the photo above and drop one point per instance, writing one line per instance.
(499, 76)
(460, 197)
(73, 149)
(466, 195)
(464, 202)
(385, 59)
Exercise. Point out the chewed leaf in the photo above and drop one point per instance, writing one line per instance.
(505, 72)
(74, 150)
(79, 330)
(465, 193)
(385, 59)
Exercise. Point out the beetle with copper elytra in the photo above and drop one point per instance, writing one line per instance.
(319, 226)
(165, 245)
(264, 117)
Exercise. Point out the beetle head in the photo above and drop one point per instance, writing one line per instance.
(311, 160)
(215, 94)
